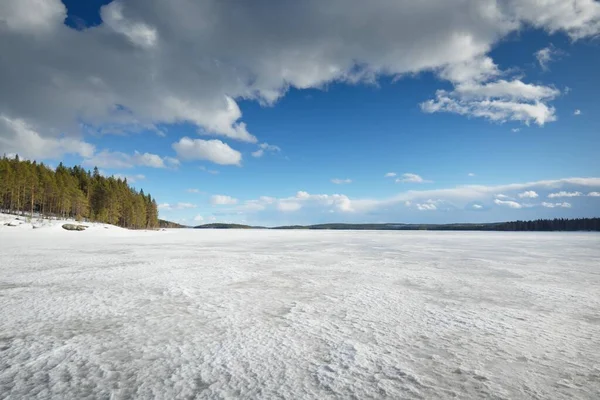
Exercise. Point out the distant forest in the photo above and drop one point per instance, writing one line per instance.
(558, 224)
(29, 187)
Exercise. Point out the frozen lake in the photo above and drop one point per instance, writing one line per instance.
(298, 314)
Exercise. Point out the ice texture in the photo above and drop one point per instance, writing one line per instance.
(117, 314)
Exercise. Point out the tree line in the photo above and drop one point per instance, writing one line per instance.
(557, 224)
(34, 188)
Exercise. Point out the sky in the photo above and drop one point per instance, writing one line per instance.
(301, 112)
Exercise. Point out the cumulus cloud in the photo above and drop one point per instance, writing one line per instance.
(390, 175)
(219, 199)
(555, 205)
(411, 178)
(426, 207)
(138, 33)
(178, 206)
(151, 62)
(529, 194)
(302, 200)
(577, 112)
(594, 194)
(448, 203)
(265, 147)
(108, 159)
(563, 193)
(210, 150)
(508, 203)
(198, 218)
(498, 101)
(18, 137)
(339, 181)
(515, 130)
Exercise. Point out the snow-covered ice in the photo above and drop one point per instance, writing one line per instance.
(111, 313)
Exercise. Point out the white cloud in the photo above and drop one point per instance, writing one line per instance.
(529, 194)
(138, 33)
(390, 175)
(451, 201)
(554, 205)
(193, 190)
(258, 153)
(594, 194)
(116, 159)
(183, 206)
(32, 16)
(211, 150)
(499, 101)
(411, 178)
(338, 181)
(198, 218)
(515, 130)
(426, 207)
(564, 194)
(18, 137)
(190, 62)
(508, 203)
(219, 199)
(577, 112)
(471, 174)
(289, 206)
(546, 55)
(265, 147)
(178, 206)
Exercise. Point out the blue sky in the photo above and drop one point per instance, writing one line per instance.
(396, 114)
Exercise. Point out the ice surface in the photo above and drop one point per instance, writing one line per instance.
(111, 313)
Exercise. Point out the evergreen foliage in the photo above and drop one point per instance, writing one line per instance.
(29, 187)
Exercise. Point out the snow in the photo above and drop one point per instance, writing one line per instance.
(37, 222)
(112, 313)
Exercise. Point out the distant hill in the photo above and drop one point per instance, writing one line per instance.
(168, 224)
(558, 224)
(226, 226)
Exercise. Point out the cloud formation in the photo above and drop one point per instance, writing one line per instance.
(210, 150)
(178, 206)
(220, 199)
(529, 194)
(563, 193)
(151, 62)
(108, 159)
(451, 201)
(263, 148)
(411, 178)
(554, 205)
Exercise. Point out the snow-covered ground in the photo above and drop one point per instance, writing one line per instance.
(111, 313)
